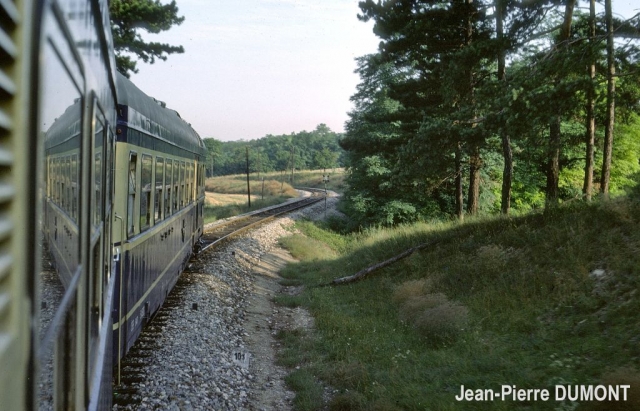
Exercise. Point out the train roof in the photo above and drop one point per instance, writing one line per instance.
(63, 130)
(172, 127)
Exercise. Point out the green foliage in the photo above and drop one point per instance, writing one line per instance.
(129, 16)
(317, 149)
(434, 108)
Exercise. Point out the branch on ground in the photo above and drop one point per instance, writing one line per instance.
(362, 273)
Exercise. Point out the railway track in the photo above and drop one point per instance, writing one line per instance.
(238, 225)
(126, 395)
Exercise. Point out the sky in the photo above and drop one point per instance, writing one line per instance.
(258, 67)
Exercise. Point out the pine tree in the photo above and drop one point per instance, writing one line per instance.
(130, 16)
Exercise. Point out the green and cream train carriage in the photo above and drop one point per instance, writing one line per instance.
(113, 191)
(158, 204)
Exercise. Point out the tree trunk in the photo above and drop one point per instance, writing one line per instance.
(507, 153)
(507, 172)
(591, 98)
(611, 103)
(553, 164)
(475, 163)
(459, 194)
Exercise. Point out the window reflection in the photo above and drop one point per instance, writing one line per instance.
(60, 115)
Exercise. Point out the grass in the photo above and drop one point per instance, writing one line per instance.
(227, 195)
(531, 301)
(214, 213)
(277, 182)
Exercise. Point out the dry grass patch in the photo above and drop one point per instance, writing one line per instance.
(237, 184)
(432, 314)
(218, 199)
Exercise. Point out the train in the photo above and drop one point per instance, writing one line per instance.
(96, 177)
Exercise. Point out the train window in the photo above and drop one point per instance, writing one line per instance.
(159, 188)
(67, 182)
(201, 179)
(58, 182)
(108, 170)
(192, 175)
(187, 184)
(145, 198)
(131, 199)
(167, 191)
(74, 187)
(59, 116)
(97, 170)
(176, 192)
(97, 214)
(49, 177)
(182, 180)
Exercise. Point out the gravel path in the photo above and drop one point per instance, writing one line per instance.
(219, 356)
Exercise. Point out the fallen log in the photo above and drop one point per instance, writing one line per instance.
(362, 273)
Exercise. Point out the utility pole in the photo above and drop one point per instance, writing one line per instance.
(248, 186)
(325, 179)
(292, 167)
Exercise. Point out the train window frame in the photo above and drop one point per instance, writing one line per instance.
(182, 184)
(159, 189)
(146, 192)
(168, 191)
(74, 187)
(131, 195)
(192, 184)
(58, 182)
(176, 185)
(98, 140)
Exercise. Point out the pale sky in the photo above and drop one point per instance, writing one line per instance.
(258, 67)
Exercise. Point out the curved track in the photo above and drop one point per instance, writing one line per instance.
(221, 232)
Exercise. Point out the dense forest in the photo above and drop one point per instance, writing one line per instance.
(491, 106)
(305, 150)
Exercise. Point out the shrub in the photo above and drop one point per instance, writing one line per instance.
(442, 322)
(432, 314)
(409, 289)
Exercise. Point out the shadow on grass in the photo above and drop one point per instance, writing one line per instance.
(552, 299)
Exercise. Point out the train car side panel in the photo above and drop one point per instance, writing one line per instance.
(18, 206)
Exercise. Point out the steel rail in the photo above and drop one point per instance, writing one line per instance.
(239, 225)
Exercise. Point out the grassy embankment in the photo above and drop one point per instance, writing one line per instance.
(227, 195)
(531, 301)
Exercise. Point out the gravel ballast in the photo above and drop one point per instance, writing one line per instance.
(204, 356)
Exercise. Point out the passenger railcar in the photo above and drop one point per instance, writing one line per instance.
(57, 92)
(158, 203)
(105, 178)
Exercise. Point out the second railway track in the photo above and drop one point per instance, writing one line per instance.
(238, 225)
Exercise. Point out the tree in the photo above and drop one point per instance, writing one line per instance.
(611, 102)
(591, 103)
(213, 151)
(325, 158)
(128, 17)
